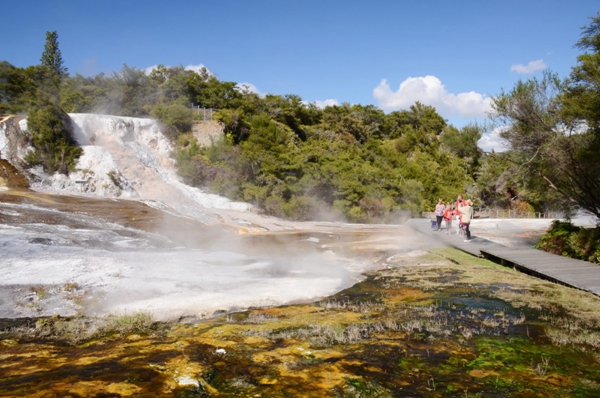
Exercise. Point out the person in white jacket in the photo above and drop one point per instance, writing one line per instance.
(466, 212)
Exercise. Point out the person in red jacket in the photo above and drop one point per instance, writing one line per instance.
(459, 202)
(448, 214)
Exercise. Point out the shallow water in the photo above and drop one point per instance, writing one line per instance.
(123, 256)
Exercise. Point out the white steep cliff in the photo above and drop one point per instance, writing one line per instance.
(126, 157)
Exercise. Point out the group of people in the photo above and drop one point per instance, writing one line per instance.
(462, 209)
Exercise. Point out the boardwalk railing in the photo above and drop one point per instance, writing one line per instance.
(483, 212)
(207, 113)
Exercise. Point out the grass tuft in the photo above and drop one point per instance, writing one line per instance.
(79, 329)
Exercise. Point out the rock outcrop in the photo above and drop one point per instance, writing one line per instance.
(207, 132)
(13, 147)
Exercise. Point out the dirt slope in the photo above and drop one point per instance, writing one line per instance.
(10, 177)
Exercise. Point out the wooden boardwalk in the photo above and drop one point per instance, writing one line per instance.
(567, 271)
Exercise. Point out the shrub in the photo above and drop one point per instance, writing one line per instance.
(566, 239)
(139, 322)
(586, 244)
(194, 170)
(176, 116)
(54, 147)
(79, 329)
(302, 208)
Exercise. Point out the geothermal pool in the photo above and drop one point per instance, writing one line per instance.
(67, 255)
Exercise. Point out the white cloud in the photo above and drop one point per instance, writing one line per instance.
(149, 69)
(429, 90)
(492, 141)
(195, 68)
(198, 68)
(326, 103)
(529, 68)
(249, 87)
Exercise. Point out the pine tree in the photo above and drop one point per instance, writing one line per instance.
(49, 127)
(51, 57)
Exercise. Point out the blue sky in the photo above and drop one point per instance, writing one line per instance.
(451, 55)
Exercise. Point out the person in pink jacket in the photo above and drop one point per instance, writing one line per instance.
(439, 214)
(457, 205)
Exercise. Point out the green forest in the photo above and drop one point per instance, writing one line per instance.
(351, 162)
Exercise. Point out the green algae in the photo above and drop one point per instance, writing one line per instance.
(453, 329)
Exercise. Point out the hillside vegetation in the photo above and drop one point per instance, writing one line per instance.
(349, 161)
(289, 158)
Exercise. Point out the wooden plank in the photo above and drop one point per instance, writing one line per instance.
(580, 283)
(579, 274)
(549, 264)
(564, 270)
(550, 267)
(543, 263)
(584, 279)
(583, 276)
(539, 257)
(546, 258)
(555, 265)
(535, 256)
(558, 271)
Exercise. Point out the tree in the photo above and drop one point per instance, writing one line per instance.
(49, 127)
(551, 128)
(129, 93)
(174, 115)
(51, 57)
(463, 143)
(17, 87)
(54, 148)
(50, 73)
(581, 112)
(79, 94)
(581, 98)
